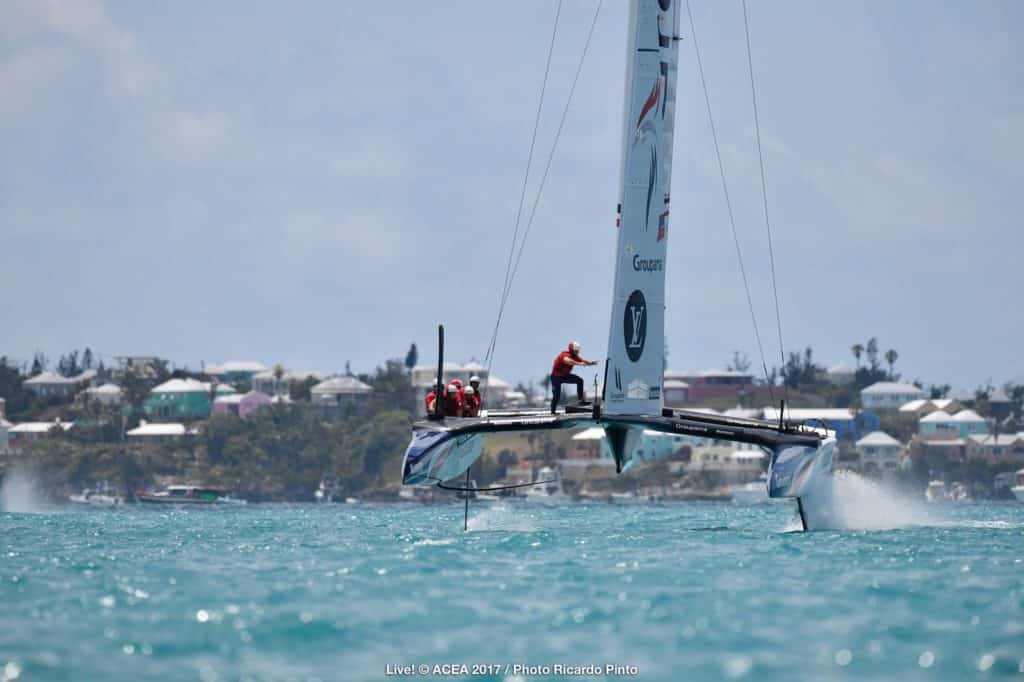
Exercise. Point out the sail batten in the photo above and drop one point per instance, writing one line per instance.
(636, 338)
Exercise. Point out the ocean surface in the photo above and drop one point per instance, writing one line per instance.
(682, 591)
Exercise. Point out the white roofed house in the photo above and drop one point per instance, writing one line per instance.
(266, 382)
(181, 399)
(234, 371)
(841, 374)
(970, 423)
(996, 449)
(676, 392)
(20, 435)
(921, 406)
(937, 424)
(889, 395)
(159, 432)
(51, 385)
(107, 394)
(878, 451)
(342, 391)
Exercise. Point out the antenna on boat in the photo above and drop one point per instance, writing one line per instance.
(438, 412)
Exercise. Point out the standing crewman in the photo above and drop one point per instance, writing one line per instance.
(561, 373)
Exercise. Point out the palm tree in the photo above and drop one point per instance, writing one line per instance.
(857, 349)
(890, 357)
(278, 373)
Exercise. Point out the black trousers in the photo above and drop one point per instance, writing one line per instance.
(556, 388)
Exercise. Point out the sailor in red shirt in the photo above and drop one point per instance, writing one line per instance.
(472, 404)
(561, 373)
(429, 400)
(478, 398)
(453, 403)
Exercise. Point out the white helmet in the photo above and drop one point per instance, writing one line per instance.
(474, 378)
(574, 346)
(452, 388)
(468, 390)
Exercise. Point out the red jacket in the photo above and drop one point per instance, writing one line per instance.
(561, 368)
(453, 404)
(429, 399)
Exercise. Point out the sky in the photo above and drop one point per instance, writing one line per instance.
(322, 182)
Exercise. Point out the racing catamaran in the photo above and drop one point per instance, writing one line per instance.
(800, 456)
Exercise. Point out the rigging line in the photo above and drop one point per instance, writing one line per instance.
(543, 180)
(728, 200)
(529, 157)
(764, 189)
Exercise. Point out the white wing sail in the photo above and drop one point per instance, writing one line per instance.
(636, 341)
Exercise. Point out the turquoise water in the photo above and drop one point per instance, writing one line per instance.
(680, 591)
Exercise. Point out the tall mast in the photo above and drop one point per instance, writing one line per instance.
(636, 338)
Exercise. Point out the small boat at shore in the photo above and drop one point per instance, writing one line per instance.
(186, 495)
(1018, 489)
(100, 497)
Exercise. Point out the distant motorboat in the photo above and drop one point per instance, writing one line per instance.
(547, 487)
(101, 497)
(754, 492)
(187, 495)
(938, 492)
(327, 489)
(1018, 489)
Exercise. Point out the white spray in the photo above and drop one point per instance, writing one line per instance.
(850, 502)
(19, 492)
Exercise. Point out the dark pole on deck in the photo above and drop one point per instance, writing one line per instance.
(465, 516)
(438, 414)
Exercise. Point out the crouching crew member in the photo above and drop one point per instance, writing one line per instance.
(453, 403)
(471, 402)
(561, 373)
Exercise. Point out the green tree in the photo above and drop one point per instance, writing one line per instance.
(278, 374)
(872, 353)
(412, 357)
(857, 349)
(890, 358)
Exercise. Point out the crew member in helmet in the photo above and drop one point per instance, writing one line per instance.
(430, 400)
(561, 373)
(453, 402)
(478, 398)
(471, 404)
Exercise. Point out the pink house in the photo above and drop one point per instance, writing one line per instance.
(240, 404)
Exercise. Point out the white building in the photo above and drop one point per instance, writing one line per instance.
(889, 395)
(343, 390)
(495, 390)
(922, 407)
(878, 450)
(158, 431)
(841, 374)
(266, 382)
(51, 385)
(107, 394)
(20, 435)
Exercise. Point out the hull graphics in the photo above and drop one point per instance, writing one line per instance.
(442, 450)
